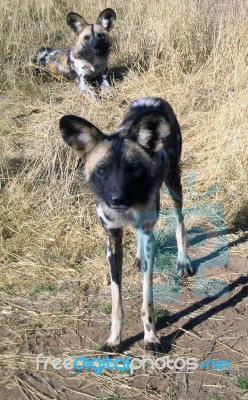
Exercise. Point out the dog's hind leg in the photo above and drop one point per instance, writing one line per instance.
(147, 252)
(173, 183)
(115, 255)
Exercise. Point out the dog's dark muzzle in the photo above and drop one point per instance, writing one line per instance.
(100, 47)
(117, 202)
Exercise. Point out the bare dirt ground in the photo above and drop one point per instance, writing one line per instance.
(194, 325)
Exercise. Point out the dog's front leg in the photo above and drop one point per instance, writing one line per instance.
(146, 244)
(83, 85)
(105, 85)
(80, 80)
(115, 255)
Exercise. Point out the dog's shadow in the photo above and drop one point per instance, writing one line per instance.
(117, 73)
(166, 321)
(114, 74)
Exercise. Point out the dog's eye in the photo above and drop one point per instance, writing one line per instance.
(101, 35)
(134, 170)
(102, 169)
(87, 38)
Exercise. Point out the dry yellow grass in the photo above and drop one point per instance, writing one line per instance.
(192, 53)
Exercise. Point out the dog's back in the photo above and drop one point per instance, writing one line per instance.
(152, 108)
(56, 61)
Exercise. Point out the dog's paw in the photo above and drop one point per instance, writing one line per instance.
(184, 268)
(91, 93)
(107, 348)
(106, 92)
(85, 88)
(106, 88)
(154, 347)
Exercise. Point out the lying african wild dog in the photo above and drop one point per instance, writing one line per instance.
(88, 58)
(125, 171)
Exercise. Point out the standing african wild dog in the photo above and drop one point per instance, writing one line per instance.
(88, 58)
(125, 171)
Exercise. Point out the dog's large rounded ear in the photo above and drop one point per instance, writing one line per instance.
(107, 19)
(150, 131)
(76, 22)
(79, 134)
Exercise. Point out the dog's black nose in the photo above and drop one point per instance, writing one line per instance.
(116, 200)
